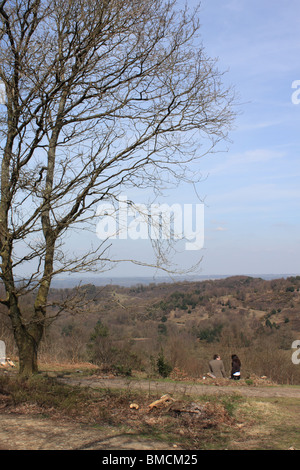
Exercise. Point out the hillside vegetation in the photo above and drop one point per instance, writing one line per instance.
(175, 327)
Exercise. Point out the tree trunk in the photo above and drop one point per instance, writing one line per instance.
(28, 348)
(27, 339)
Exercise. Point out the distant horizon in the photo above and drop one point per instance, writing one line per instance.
(133, 280)
(249, 185)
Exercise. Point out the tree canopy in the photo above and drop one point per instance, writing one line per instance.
(99, 96)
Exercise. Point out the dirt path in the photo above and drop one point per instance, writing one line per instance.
(188, 389)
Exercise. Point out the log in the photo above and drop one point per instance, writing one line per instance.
(163, 401)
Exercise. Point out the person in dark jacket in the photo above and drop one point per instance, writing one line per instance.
(235, 367)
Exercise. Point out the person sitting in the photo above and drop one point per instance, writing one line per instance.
(216, 367)
(235, 367)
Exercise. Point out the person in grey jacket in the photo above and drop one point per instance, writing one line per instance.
(216, 367)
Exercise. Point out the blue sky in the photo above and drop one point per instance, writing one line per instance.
(251, 192)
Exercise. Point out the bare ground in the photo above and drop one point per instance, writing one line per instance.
(187, 388)
(23, 432)
(28, 429)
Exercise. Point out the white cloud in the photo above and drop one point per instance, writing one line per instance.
(256, 195)
(243, 160)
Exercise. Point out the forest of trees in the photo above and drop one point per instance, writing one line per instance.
(159, 328)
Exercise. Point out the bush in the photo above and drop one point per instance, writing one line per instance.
(100, 346)
(210, 334)
(290, 289)
(164, 369)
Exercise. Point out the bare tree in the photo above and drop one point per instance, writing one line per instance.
(99, 95)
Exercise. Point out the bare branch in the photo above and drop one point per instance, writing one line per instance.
(100, 96)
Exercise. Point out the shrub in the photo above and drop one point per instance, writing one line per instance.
(164, 369)
(210, 334)
(290, 289)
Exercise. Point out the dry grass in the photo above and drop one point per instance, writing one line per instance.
(226, 422)
(268, 425)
